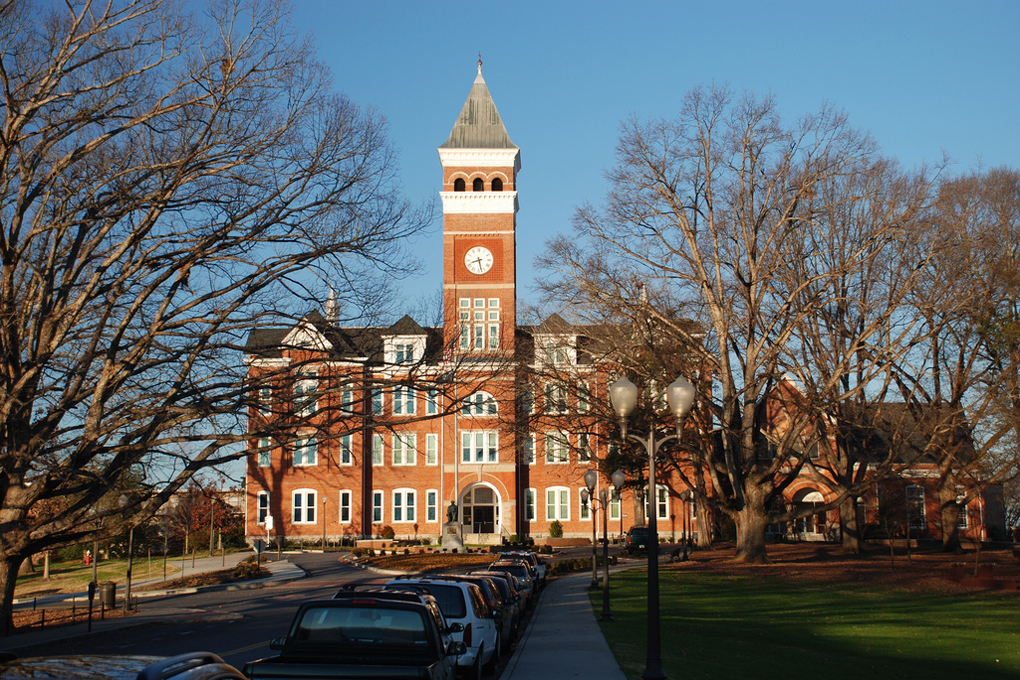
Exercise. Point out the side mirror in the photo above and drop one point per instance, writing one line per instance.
(456, 648)
(277, 643)
(455, 628)
(497, 614)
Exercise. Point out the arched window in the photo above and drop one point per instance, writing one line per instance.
(478, 184)
(497, 184)
(480, 404)
(458, 184)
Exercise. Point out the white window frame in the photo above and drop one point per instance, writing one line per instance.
(431, 448)
(265, 401)
(261, 507)
(347, 450)
(963, 519)
(529, 448)
(306, 399)
(264, 453)
(584, 452)
(480, 404)
(404, 506)
(614, 507)
(583, 509)
(405, 400)
(529, 504)
(432, 402)
(378, 511)
(557, 504)
(345, 507)
(431, 505)
(556, 441)
(378, 399)
(347, 401)
(479, 446)
(555, 399)
(662, 501)
(305, 452)
(404, 449)
(378, 450)
(917, 501)
(303, 506)
(583, 402)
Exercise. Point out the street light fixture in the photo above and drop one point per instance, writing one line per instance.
(590, 479)
(680, 396)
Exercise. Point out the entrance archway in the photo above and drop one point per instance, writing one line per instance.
(812, 526)
(480, 514)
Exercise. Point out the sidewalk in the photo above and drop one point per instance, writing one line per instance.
(564, 639)
(280, 572)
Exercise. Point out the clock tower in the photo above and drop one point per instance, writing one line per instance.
(480, 166)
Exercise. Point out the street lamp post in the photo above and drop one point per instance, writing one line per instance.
(590, 479)
(686, 496)
(680, 396)
(586, 495)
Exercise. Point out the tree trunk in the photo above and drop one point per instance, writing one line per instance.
(8, 580)
(851, 527)
(751, 522)
(704, 515)
(950, 527)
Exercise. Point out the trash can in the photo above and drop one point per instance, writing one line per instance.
(108, 594)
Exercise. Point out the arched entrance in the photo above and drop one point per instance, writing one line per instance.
(811, 527)
(480, 509)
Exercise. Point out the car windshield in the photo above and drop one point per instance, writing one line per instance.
(362, 625)
(449, 597)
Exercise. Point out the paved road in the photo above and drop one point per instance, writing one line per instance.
(236, 624)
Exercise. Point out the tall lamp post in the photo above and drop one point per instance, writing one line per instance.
(586, 495)
(680, 396)
(686, 496)
(590, 479)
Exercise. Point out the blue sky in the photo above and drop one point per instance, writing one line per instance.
(923, 77)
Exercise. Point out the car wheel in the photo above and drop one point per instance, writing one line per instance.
(476, 670)
(493, 663)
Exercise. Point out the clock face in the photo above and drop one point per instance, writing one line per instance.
(478, 260)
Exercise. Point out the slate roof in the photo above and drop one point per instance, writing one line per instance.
(479, 126)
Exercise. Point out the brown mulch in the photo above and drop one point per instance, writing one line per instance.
(924, 570)
(428, 561)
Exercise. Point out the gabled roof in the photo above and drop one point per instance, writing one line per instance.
(406, 326)
(479, 126)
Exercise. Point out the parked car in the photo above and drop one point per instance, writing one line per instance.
(464, 603)
(638, 538)
(191, 666)
(533, 559)
(506, 585)
(522, 570)
(360, 634)
(504, 612)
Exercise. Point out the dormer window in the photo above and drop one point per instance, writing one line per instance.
(497, 184)
(478, 184)
(458, 184)
(405, 354)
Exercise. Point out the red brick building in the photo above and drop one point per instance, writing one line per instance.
(387, 426)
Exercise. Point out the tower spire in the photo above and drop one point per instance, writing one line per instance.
(479, 63)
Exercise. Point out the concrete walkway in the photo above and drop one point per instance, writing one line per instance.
(564, 639)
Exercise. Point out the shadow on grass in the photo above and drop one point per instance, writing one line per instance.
(737, 626)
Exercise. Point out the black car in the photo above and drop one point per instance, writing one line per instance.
(638, 538)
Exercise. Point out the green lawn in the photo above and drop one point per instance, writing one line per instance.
(716, 626)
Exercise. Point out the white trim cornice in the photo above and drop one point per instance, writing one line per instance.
(462, 202)
(481, 158)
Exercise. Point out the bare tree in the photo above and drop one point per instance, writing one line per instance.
(711, 211)
(166, 178)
